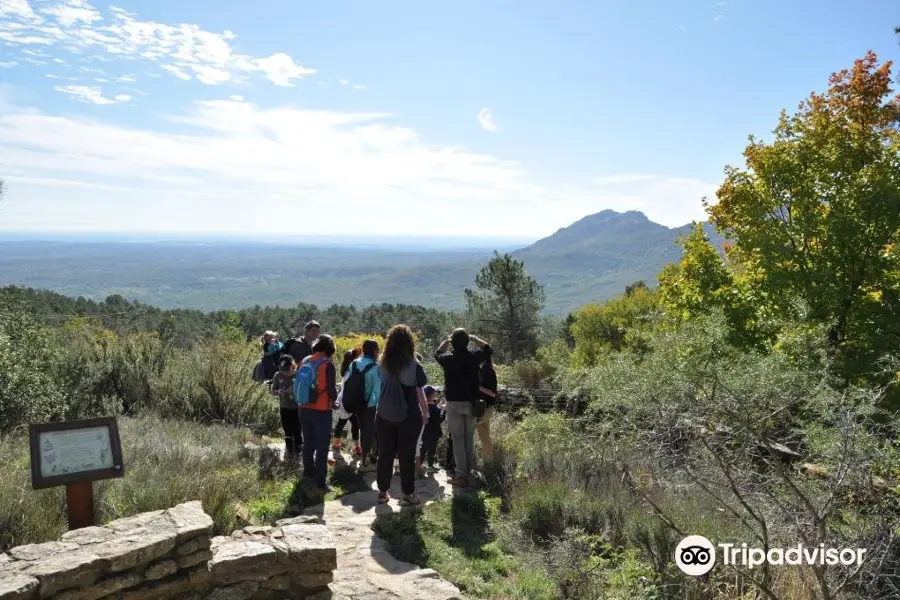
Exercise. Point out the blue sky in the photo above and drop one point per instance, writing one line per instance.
(497, 118)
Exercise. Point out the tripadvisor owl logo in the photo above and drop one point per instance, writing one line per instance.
(695, 555)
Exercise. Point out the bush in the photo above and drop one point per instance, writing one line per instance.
(29, 390)
(166, 463)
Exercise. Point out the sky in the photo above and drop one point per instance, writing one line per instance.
(398, 117)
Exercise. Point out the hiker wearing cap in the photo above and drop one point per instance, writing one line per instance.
(282, 387)
(461, 391)
(366, 369)
(301, 347)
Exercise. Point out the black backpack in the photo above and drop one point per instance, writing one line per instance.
(354, 396)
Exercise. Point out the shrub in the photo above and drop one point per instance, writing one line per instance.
(166, 463)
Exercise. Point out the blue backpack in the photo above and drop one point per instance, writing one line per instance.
(305, 389)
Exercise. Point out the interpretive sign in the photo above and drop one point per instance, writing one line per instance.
(74, 454)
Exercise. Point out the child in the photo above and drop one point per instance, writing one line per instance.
(431, 433)
(343, 416)
(283, 387)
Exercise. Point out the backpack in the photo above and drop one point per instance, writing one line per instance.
(354, 394)
(305, 388)
(392, 403)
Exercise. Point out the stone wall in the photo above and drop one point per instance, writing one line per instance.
(170, 554)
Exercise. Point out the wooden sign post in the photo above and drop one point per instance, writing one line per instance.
(75, 454)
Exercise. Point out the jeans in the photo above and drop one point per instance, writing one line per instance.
(461, 425)
(366, 419)
(316, 426)
(293, 437)
(484, 433)
(397, 440)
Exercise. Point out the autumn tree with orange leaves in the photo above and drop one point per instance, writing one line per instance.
(815, 214)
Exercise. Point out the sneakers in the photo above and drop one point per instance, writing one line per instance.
(366, 468)
(410, 500)
(457, 481)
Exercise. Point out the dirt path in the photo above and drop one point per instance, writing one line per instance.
(365, 568)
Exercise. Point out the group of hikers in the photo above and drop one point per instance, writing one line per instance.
(385, 396)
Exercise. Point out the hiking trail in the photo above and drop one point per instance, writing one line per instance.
(366, 570)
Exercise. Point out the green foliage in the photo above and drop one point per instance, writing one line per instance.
(166, 463)
(618, 325)
(815, 215)
(506, 307)
(30, 392)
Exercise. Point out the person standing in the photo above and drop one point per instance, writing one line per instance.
(316, 415)
(432, 431)
(461, 390)
(400, 414)
(367, 365)
(344, 416)
(302, 347)
(283, 387)
(488, 391)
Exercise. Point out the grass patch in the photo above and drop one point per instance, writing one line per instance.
(166, 463)
(456, 539)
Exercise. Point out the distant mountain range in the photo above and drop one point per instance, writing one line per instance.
(588, 261)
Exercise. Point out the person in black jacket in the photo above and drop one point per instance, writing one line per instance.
(488, 391)
(461, 389)
(432, 432)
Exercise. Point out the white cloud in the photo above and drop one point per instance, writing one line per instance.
(218, 160)
(718, 17)
(93, 95)
(343, 82)
(185, 50)
(360, 88)
(486, 120)
(70, 12)
(8, 64)
(16, 8)
(237, 98)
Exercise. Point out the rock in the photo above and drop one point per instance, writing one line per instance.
(311, 547)
(139, 547)
(133, 523)
(190, 521)
(281, 582)
(88, 535)
(103, 588)
(194, 559)
(4, 559)
(240, 556)
(160, 570)
(258, 529)
(298, 520)
(311, 581)
(58, 572)
(17, 586)
(194, 546)
(241, 591)
(38, 551)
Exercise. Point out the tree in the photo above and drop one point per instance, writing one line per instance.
(815, 215)
(506, 306)
(622, 324)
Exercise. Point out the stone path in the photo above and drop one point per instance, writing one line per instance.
(365, 568)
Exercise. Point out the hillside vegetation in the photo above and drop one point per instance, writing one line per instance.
(751, 397)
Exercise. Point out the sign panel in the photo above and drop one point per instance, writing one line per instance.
(75, 452)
